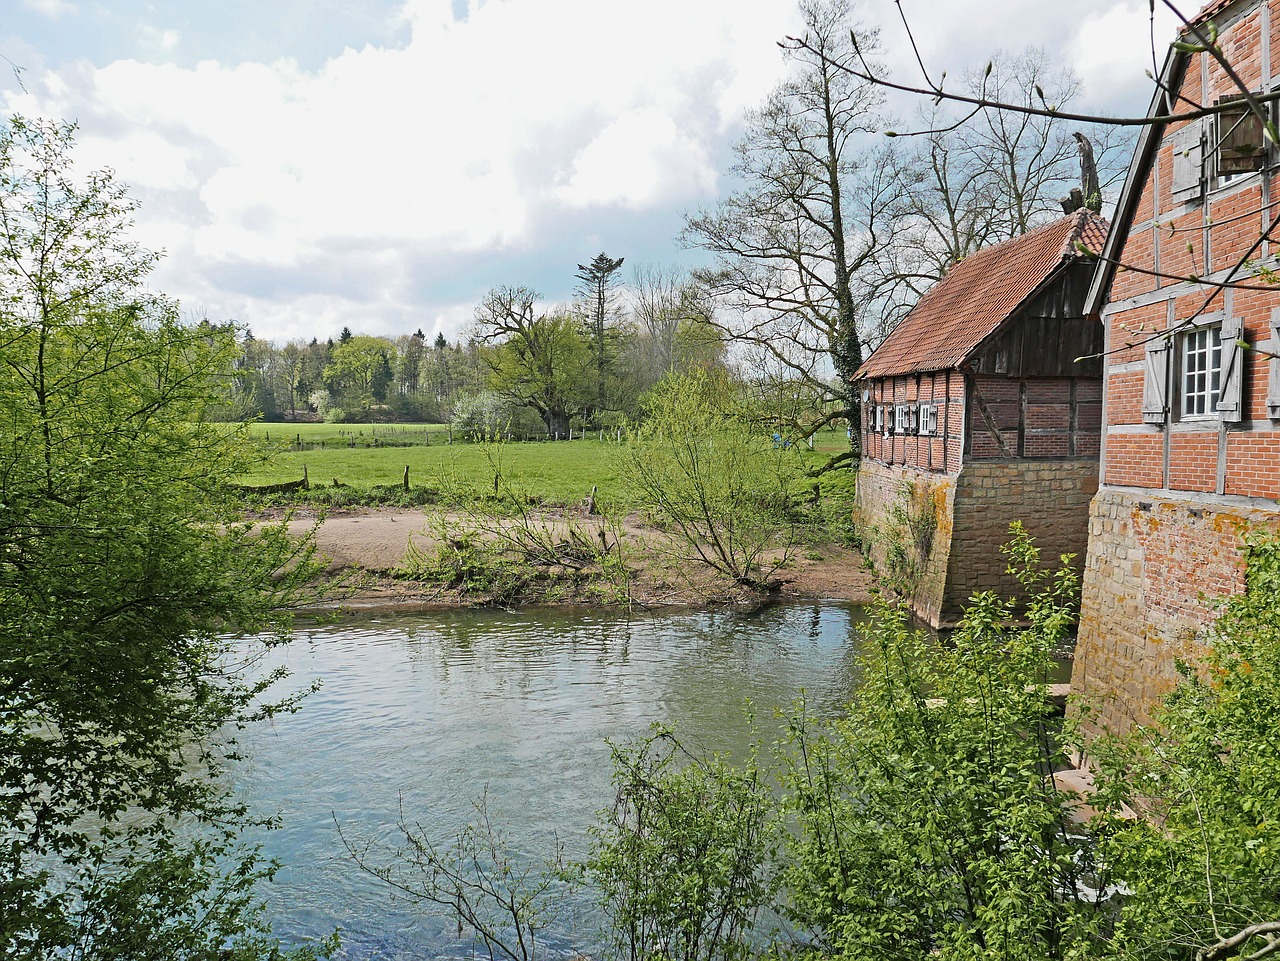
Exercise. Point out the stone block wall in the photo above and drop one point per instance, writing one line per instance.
(1156, 565)
(1050, 497)
(882, 488)
(971, 514)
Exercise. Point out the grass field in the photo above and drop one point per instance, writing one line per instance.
(360, 456)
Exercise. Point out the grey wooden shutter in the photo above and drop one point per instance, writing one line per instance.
(1230, 393)
(1155, 384)
(1188, 163)
(1273, 382)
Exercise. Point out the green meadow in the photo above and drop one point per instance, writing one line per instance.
(366, 456)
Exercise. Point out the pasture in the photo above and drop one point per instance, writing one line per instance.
(366, 456)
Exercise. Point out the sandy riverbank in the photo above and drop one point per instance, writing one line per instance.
(368, 543)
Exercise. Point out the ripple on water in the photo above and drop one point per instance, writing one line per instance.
(430, 712)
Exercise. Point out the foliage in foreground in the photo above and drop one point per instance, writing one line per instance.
(929, 820)
(1203, 864)
(122, 570)
(927, 823)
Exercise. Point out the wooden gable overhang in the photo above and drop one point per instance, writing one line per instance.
(1048, 335)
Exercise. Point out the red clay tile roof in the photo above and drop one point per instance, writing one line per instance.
(1209, 9)
(958, 312)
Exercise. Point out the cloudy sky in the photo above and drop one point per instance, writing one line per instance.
(379, 164)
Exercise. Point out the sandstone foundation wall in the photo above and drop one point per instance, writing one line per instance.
(1156, 564)
(948, 529)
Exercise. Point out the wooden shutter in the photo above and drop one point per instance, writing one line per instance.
(1241, 145)
(1188, 163)
(1230, 392)
(1273, 382)
(1155, 384)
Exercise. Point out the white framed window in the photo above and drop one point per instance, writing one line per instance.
(928, 419)
(1200, 371)
(901, 419)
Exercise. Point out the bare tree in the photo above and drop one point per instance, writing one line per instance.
(672, 314)
(811, 215)
(972, 185)
(1197, 36)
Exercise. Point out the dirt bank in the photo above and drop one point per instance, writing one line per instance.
(368, 543)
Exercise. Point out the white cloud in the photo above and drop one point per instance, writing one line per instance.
(166, 41)
(49, 8)
(640, 159)
(290, 197)
(1104, 49)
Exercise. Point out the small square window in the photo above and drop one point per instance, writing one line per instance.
(1200, 371)
(1241, 144)
(928, 419)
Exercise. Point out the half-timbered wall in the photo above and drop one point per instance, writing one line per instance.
(1189, 463)
(1033, 418)
(915, 420)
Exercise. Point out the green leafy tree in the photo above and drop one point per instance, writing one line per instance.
(123, 570)
(720, 487)
(359, 372)
(929, 823)
(538, 360)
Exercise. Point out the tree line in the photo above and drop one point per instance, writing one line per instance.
(833, 233)
(521, 365)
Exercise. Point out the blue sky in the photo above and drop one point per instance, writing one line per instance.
(379, 164)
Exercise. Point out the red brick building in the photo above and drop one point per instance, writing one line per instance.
(1191, 442)
(977, 413)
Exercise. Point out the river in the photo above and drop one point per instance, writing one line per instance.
(426, 713)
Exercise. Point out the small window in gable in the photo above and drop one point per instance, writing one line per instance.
(1241, 146)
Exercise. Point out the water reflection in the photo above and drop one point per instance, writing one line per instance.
(429, 711)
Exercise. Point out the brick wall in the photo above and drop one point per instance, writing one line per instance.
(973, 511)
(1154, 568)
(936, 453)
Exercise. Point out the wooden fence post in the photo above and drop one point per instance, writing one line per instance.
(406, 477)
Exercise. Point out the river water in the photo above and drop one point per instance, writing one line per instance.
(424, 714)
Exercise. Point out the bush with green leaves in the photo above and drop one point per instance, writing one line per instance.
(722, 489)
(928, 821)
(123, 572)
(682, 862)
(1201, 867)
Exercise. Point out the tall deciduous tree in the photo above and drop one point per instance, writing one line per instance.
(540, 361)
(811, 215)
(359, 373)
(122, 570)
